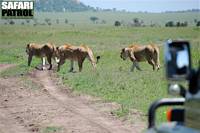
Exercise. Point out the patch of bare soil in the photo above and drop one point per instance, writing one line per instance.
(53, 108)
(5, 66)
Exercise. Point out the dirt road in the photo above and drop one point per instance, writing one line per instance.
(53, 108)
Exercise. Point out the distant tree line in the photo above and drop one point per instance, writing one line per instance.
(181, 24)
(34, 22)
(176, 24)
(135, 22)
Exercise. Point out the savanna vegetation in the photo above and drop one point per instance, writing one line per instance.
(113, 80)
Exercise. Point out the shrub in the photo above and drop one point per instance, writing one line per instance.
(11, 22)
(169, 24)
(94, 19)
(117, 23)
(198, 24)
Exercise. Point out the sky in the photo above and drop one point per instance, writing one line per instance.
(145, 5)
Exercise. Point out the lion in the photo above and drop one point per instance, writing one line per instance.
(75, 53)
(139, 53)
(47, 50)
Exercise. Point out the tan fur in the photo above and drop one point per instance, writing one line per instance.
(75, 53)
(138, 53)
(40, 50)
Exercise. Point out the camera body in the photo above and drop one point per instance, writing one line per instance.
(178, 68)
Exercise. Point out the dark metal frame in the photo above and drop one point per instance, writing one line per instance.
(160, 103)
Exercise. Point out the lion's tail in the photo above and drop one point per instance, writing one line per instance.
(98, 57)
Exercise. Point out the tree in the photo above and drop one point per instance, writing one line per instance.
(11, 22)
(169, 24)
(117, 23)
(184, 24)
(94, 19)
(27, 21)
(198, 23)
(178, 24)
(137, 22)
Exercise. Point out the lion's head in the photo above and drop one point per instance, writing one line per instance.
(56, 55)
(124, 53)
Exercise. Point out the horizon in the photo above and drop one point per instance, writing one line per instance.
(144, 5)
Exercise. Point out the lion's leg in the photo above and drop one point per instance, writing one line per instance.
(156, 59)
(80, 65)
(61, 62)
(151, 62)
(58, 67)
(136, 64)
(72, 66)
(132, 67)
(29, 60)
(49, 61)
(156, 63)
(43, 63)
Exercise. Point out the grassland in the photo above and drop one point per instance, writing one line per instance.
(113, 81)
(83, 18)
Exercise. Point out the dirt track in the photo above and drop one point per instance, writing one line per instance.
(52, 108)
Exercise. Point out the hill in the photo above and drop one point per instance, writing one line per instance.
(60, 6)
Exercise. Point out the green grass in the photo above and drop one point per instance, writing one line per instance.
(112, 81)
(51, 129)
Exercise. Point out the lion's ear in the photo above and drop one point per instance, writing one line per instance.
(123, 49)
(57, 48)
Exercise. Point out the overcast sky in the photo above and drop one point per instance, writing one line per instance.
(145, 5)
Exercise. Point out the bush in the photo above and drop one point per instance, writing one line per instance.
(27, 21)
(94, 19)
(178, 24)
(184, 24)
(11, 22)
(117, 23)
(137, 22)
(198, 24)
(169, 24)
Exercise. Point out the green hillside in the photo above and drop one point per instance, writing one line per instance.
(60, 6)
